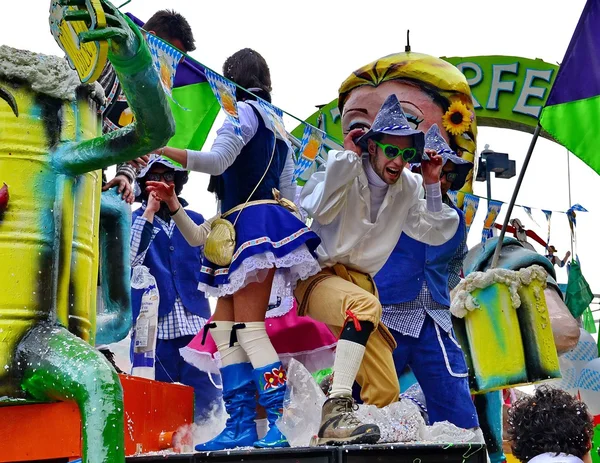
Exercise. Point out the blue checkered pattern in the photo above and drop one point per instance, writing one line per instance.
(408, 317)
(530, 214)
(221, 86)
(453, 195)
(568, 378)
(164, 55)
(548, 215)
(585, 351)
(137, 255)
(493, 211)
(179, 322)
(472, 202)
(303, 162)
(571, 212)
(589, 380)
(276, 116)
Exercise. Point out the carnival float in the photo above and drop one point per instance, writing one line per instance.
(61, 400)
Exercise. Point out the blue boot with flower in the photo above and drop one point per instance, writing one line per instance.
(240, 402)
(271, 382)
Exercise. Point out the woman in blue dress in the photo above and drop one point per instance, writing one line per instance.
(273, 250)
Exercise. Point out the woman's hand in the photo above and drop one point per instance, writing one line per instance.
(164, 193)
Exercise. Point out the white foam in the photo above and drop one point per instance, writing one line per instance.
(47, 74)
(463, 302)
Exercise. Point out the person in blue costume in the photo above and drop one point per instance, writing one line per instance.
(273, 250)
(414, 289)
(183, 310)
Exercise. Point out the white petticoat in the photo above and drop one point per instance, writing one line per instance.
(299, 264)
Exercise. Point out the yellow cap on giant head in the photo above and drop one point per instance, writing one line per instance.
(438, 78)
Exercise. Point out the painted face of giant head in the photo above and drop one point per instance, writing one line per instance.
(431, 91)
(364, 102)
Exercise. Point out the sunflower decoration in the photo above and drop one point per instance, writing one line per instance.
(457, 119)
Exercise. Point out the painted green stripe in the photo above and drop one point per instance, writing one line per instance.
(576, 125)
(194, 114)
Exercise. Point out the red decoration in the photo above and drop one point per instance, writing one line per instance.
(4, 197)
(275, 378)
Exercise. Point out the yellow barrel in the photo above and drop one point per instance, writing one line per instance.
(495, 343)
(538, 340)
(84, 261)
(37, 229)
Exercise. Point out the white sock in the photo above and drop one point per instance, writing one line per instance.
(221, 334)
(348, 357)
(255, 341)
(262, 427)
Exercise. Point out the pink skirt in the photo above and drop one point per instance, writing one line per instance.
(301, 338)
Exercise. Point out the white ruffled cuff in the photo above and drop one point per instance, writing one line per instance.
(434, 197)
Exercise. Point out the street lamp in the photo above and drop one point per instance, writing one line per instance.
(499, 163)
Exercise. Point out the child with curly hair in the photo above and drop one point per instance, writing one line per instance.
(550, 426)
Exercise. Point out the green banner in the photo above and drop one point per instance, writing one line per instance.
(508, 91)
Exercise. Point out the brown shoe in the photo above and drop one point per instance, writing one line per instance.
(339, 424)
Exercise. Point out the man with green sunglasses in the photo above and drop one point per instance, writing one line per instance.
(361, 200)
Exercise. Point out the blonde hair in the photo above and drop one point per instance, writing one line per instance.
(442, 81)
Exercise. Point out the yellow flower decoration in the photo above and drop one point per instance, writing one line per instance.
(457, 119)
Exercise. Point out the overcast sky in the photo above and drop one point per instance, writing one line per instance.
(312, 46)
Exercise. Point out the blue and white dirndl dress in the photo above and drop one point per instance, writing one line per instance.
(267, 236)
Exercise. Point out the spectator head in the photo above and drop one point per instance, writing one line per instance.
(160, 169)
(172, 27)
(249, 70)
(549, 421)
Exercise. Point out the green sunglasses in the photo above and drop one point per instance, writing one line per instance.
(392, 152)
(450, 176)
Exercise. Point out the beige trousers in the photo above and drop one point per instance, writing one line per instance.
(328, 297)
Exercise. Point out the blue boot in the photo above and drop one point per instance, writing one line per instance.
(239, 395)
(271, 383)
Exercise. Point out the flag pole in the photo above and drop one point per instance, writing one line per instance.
(570, 203)
(511, 205)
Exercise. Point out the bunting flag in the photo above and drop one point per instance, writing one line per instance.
(166, 59)
(493, 211)
(470, 205)
(196, 108)
(276, 117)
(587, 320)
(527, 210)
(571, 213)
(312, 142)
(453, 195)
(225, 91)
(548, 215)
